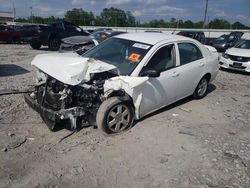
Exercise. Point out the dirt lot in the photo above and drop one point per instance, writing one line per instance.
(194, 143)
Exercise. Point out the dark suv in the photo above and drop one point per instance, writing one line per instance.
(51, 35)
(197, 35)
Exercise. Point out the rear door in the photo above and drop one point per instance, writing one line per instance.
(191, 68)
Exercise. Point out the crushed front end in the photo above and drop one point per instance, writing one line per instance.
(56, 101)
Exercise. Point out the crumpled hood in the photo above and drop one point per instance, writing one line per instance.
(71, 68)
(238, 52)
(75, 40)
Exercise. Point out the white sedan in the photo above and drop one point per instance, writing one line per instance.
(122, 79)
(237, 58)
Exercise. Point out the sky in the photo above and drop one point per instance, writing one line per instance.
(143, 10)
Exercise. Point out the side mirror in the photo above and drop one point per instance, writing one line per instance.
(151, 73)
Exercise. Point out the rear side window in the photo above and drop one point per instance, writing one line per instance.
(189, 53)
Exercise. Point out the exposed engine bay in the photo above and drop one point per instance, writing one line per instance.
(77, 103)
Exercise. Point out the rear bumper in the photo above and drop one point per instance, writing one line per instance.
(52, 115)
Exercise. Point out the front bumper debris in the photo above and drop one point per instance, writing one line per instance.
(56, 116)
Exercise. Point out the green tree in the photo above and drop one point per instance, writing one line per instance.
(219, 24)
(188, 24)
(79, 16)
(238, 25)
(116, 17)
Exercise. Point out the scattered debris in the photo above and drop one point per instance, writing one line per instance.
(11, 134)
(234, 99)
(182, 147)
(231, 154)
(186, 132)
(17, 143)
(4, 149)
(214, 160)
(185, 110)
(66, 136)
(175, 115)
(76, 170)
(13, 91)
(163, 160)
(232, 132)
(31, 139)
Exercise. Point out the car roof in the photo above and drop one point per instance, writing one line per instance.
(150, 38)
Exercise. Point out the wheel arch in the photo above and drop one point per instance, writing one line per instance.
(208, 76)
(123, 95)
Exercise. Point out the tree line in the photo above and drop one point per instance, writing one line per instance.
(114, 17)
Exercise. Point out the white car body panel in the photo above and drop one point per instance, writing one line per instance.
(228, 63)
(148, 94)
(70, 68)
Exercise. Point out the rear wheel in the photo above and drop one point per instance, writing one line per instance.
(115, 116)
(35, 45)
(201, 89)
(54, 44)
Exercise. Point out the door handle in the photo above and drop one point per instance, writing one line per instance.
(175, 74)
(201, 64)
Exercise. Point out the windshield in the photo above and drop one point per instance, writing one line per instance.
(222, 38)
(245, 44)
(122, 53)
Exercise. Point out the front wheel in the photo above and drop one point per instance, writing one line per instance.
(54, 44)
(35, 45)
(115, 116)
(201, 89)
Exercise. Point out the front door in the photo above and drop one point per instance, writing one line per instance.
(160, 91)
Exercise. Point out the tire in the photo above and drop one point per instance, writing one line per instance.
(115, 116)
(54, 43)
(15, 40)
(201, 89)
(35, 45)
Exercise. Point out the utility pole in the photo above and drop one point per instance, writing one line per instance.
(31, 13)
(14, 11)
(205, 15)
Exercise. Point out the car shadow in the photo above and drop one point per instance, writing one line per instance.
(235, 71)
(11, 70)
(66, 124)
(210, 89)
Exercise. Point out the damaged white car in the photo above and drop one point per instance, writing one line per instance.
(121, 80)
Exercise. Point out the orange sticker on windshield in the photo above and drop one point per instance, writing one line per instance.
(134, 57)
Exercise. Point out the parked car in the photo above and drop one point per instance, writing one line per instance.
(197, 35)
(81, 44)
(224, 42)
(124, 78)
(27, 32)
(153, 31)
(52, 34)
(9, 35)
(238, 57)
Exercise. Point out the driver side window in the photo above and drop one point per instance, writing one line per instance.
(163, 59)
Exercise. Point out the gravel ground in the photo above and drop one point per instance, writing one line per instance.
(193, 143)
